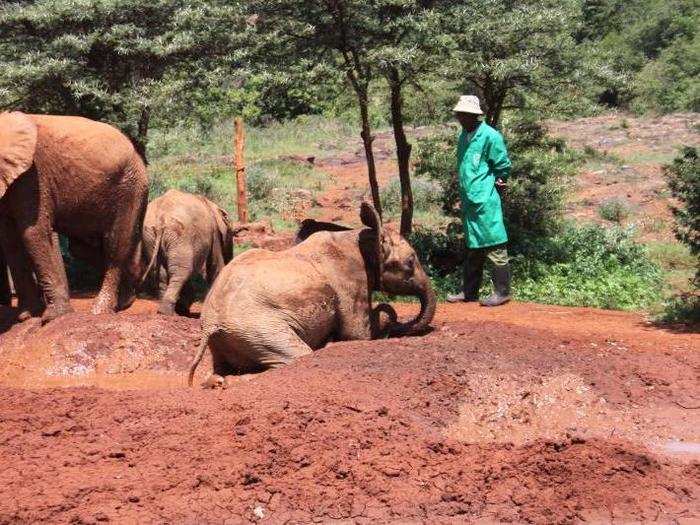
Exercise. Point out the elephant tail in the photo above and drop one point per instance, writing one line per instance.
(197, 358)
(154, 257)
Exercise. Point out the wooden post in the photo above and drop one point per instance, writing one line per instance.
(242, 195)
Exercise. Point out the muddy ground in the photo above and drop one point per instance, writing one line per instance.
(526, 413)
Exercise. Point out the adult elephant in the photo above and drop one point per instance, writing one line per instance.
(83, 179)
(267, 308)
(184, 235)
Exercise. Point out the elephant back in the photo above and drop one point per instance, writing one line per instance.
(76, 141)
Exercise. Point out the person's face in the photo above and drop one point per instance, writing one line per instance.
(468, 121)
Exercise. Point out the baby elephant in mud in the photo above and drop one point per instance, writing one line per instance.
(183, 235)
(267, 308)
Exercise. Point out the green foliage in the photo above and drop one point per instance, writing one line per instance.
(614, 210)
(588, 266)
(654, 46)
(581, 266)
(113, 60)
(426, 197)
(672, 81)
(515, 53)
(683, 177)
(682, 309)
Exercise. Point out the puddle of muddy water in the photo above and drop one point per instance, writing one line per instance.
(519, 410)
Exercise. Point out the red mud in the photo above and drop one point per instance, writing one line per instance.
(524, 413)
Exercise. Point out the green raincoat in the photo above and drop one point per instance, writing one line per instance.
(480, 161)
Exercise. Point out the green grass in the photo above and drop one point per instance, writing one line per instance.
(201, 163)
(308, 135)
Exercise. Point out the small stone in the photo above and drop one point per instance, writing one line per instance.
(134, 498)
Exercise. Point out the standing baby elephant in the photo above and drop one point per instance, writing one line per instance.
(183, 235)
(81, 178)
(266, 308)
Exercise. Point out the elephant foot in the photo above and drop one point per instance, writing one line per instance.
(166, 309)
(103, 306)
(182, 310)
(214, 381)
(55, 311)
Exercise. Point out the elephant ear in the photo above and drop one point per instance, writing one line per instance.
(18, 136)
(370, 218)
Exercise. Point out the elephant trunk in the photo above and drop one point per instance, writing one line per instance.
(428, 303)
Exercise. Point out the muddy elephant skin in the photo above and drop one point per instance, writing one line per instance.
(267, 308)
(184, 235)
(14, 258)
(82, 179)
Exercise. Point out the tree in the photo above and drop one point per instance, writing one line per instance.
(321, 35)
(393, 40)
(507, 51)
(683, 176)
(106, 59)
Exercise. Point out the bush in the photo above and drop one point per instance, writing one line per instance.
(588, 266)
(683, 177)
(581, 266)
(426, 196)
(614, 210)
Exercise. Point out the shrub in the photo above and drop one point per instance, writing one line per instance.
(614, 210)
(426, 196)
(683, 177)
(580, 266)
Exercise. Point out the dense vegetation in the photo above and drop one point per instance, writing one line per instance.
(172, 73)
(684, 180)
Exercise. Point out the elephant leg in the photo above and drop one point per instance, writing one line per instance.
(5, 292)
(278, 345)
(119, 245)
(63, 277)
(179, 272)
(29, 300)
(184, 302)
(38, 242)
(215, 262)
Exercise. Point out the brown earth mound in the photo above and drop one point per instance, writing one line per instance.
(480, 420)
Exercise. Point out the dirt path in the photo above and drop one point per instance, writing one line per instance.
(524, 413)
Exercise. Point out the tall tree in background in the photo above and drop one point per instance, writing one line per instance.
(391, 40)
(295, 36)
(409, 43)
(106, 59)
(509, 51)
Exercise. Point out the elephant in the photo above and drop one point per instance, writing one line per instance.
(83, 179)
(5, 291)
(183, 235)
(267, 308)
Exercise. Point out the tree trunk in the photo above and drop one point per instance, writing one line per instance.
(367, 140)
(403, 153)
(142, 134)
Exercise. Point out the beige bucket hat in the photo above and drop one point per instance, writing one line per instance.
(468, 104)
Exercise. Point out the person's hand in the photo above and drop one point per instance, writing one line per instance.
(501, 184)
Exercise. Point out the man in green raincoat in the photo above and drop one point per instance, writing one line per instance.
(483, 167)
